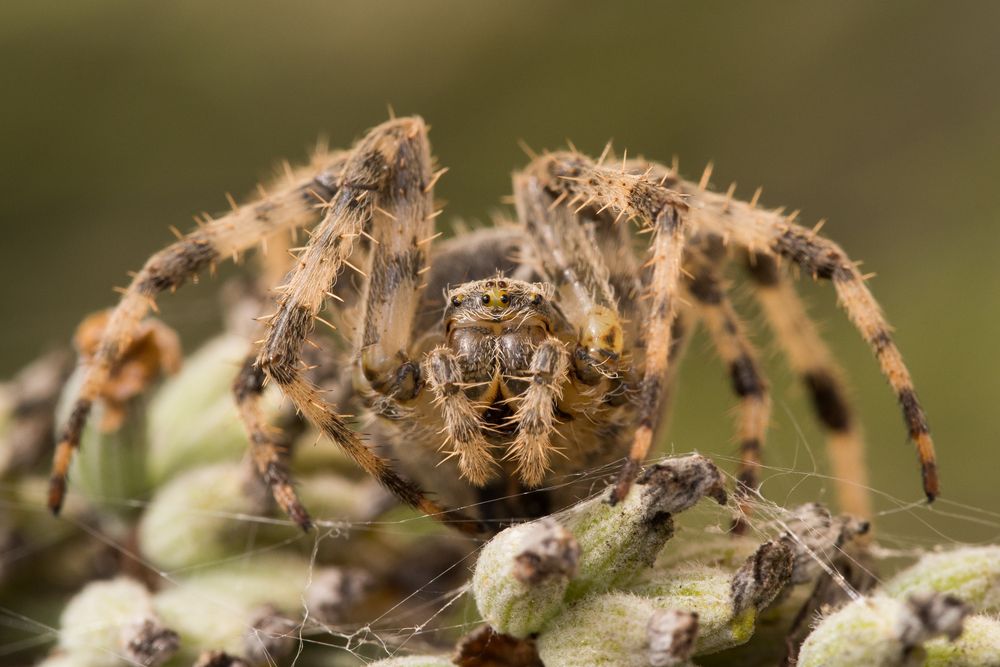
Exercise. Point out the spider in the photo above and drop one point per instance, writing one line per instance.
(509, 357)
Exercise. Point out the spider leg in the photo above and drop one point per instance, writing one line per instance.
(810, 358)
(767, 233)
(660, 212)
(462, 424)
(536, 411)
(571, 260)
(771, 233)
(733, 345)
(294, 205)
(270, 456)
(387, 176)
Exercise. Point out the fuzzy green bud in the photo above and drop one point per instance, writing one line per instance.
(193, 418)
(112, 623)
(880, 631)
(522, 575)
(243, 608)
(979, 644)
(633, 627)
(971, 574)
(110, 468)
(525, 574)
(619, 542)
(196, 517)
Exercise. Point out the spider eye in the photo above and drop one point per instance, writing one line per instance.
(455, 301)
(504, 298)
(485, 299)
(536, 300)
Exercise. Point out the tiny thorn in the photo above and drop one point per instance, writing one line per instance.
(430, 238)
(360, 272)
(386, 213)
(434, 178)
(604, 154)
(705, 176)
(558, 200)
(523, 145)
(329, 324)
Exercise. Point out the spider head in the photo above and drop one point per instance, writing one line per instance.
(503, 302)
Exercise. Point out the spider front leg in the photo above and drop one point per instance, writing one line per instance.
(384, 192)
(578, 183)
(462, 424)
(536, 411)
(295, 205)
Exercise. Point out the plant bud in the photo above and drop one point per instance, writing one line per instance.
(978, 645)
(522, 575)
(628, 627)
(112, 623)
(244, 608)
(110, 468)
(618, 542)
(195, 518)
(193, 418)
(971, 574)
(881, 631)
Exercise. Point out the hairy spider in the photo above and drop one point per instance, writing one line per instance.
(554, 344)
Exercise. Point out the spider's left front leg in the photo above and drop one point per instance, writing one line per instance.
(577, 181)
(384, 193)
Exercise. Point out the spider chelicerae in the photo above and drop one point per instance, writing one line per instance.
(504, 357)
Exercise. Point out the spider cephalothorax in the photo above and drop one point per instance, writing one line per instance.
(552, 356)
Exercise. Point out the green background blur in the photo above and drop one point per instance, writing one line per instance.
(120, 118)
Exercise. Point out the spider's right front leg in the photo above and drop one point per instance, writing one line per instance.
(462, 424)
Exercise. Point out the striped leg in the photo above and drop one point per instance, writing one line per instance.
(384, 192)
(730, 339)
(570, 259)
(462, 423)
(772, 234)
(294, 205)
(270, 456)
(810, 358)
(577, 182)
(536, 411)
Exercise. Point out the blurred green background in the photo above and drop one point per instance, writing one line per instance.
(120, 118)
